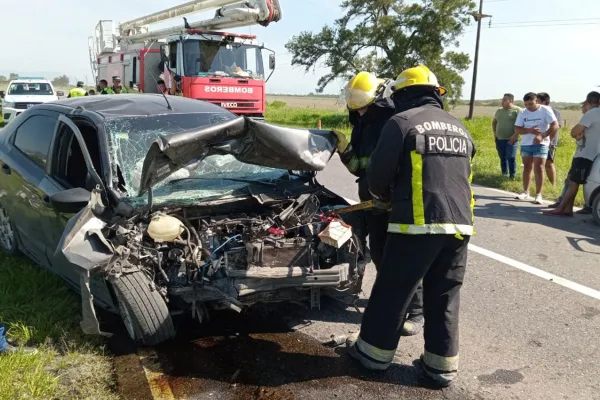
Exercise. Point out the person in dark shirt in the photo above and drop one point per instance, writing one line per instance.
(544, 99)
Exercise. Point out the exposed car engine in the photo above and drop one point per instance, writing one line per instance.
(237, 259)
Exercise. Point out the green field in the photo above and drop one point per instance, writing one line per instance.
(39, 310)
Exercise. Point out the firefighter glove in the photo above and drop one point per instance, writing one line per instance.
(381, 206)
(342, 141)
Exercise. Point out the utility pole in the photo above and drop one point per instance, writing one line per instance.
(478, 17)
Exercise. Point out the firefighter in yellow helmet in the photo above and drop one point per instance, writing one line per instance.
(422, 167)
(369, 107)
(78, 91)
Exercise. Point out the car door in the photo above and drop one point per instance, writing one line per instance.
(68, 143)
(24, 170)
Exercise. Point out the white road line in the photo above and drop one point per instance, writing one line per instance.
(159, 386)
(527, 268)
(537, 272)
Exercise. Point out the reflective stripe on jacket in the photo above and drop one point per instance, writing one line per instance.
(423, 162)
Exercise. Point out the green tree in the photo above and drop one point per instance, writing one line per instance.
(61, 81)
(3, 79)
(387, 36)
(13, 76)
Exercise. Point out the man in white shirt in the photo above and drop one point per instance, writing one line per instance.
(587, 134)
(536, 123)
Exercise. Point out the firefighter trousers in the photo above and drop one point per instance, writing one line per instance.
(440, 262)
(376, 227)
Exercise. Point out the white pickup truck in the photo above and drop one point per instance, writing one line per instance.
(26, 92)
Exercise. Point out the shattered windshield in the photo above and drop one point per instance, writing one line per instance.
(207, 179)
(209, 58)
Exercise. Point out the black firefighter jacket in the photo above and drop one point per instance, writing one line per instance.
(366, 130)
(423, 163)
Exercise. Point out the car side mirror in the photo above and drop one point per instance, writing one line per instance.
(60, 94)
(2, 94)
(271, 61)
(70, 201)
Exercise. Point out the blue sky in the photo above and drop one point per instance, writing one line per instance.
(561, 60)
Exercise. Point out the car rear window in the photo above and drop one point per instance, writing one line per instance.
(30, 89)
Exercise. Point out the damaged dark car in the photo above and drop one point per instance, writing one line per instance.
(153, 207)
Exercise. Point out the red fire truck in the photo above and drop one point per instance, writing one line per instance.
(198, 59)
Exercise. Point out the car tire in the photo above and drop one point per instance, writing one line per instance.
(143, 310)
(596, 209)
(9, 242)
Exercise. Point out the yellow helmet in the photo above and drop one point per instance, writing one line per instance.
(362, 90)
(417, 76)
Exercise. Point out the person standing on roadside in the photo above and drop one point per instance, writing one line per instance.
(162, 87)
(587, 134)
(103, 87)
(507, 141)
(117, 88)
(537, 124)
(587, 208)
(544, 99)
(368, 111)
(77, 91)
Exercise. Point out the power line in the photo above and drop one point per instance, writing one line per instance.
(547, 20)
(538, 25)
(535, 26)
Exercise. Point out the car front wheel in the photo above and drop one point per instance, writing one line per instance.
(143, 310)
(596, 209)
(8, 238)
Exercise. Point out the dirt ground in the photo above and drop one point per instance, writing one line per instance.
(332, 103)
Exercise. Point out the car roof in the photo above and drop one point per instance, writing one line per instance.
(119, 105)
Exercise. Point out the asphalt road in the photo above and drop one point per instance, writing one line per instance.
(524, 334)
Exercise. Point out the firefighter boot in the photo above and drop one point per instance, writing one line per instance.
(351, 343)
(413, 325)
(435, 379)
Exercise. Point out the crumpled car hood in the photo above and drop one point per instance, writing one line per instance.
(248, 140)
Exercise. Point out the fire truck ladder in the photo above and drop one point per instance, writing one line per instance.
(229, 14)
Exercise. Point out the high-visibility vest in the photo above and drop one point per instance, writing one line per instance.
(77, 92)
(107, 90)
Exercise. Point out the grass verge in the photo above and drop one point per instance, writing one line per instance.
(486, 168)
(39, 310)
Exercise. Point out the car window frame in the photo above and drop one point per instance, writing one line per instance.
(64, 119)
(54, 148)
(23, 155)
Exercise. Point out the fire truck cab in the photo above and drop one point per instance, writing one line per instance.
(196, 60)
(222, 68)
